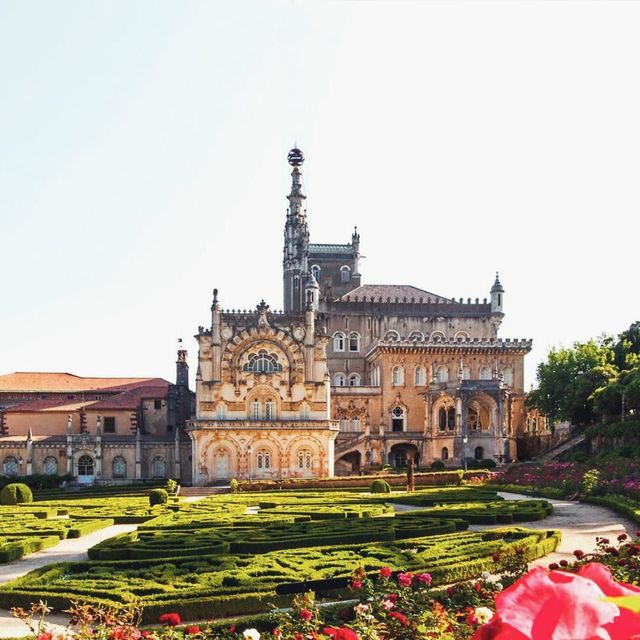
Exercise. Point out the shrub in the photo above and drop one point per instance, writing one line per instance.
(590, 481)
(234, 485)
(171, 486)
(16, 493)
(158, 496)
(380, 486)
(437, 465)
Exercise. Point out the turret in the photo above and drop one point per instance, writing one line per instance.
(296, 240)
(497, 296)
(182, 368)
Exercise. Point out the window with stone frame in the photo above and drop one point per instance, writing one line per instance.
(158, 467)
(305, 459)
(119, 467)
(397, 419)
(255, 410)
(263, 459)
(397, 376)
(262, 362)
(50, 466)
(354, 380)
(419, 376)
(345, 274)
(10, 466)
(339, 380)
(270, 410)
(445, 453)
(109, 424)
(354, 341)
(338, 342)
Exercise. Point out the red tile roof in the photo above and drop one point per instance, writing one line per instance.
(392, 291)
(131, 399)
(39, 382)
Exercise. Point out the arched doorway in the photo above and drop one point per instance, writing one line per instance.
(478, 454)
(221, 464)
(86, 469)
(400, 454)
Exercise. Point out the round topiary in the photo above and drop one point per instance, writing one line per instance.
(380, 486)
(158, 496)
(16, 493)
(488, 463)
(437, 465)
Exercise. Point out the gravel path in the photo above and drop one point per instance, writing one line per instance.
(70, 550)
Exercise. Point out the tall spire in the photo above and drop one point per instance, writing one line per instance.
(296, 198)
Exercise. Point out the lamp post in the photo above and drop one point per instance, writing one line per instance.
(249, 452)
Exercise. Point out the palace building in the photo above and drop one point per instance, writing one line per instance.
(351, 376)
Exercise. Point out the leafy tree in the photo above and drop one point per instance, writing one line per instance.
(569, 378)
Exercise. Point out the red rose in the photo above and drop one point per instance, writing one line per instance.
(424, 578)
(564, 563)
(400, 617)
(385, 572)
(170, 619)
(192, 630)
(356, 584)
(340, 633)
(393, 597)
(276, 632)
(306, 615)
(232, 628)
(578, 554)
(553, 566)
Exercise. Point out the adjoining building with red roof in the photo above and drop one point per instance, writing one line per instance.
(96, 429)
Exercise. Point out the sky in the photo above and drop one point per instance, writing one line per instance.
(143, 154)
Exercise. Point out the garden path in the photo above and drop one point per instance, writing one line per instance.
(70, 550)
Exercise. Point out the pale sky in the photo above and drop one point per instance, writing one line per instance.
(143, 163)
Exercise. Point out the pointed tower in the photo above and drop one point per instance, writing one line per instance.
(497, 296)
(296, 240)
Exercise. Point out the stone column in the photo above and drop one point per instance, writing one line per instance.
(138, 456)
(176, 455)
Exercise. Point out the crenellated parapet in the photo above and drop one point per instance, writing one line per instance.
(516, 346)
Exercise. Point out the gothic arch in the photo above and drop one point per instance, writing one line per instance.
(482, 413)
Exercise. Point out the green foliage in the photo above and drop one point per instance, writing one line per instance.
(16, 493)
(437, 465)
(380, 486)
(171, 486)
(234, 485)
(570, 376)
(158, 496)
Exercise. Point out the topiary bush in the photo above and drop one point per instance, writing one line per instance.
(380, 486)
(16, 493)
(158, 496)
(437, 465)
(234, 486)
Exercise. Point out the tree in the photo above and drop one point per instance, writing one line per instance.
(570, 376)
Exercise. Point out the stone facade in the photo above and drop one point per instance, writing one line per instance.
(99, 430)
(413, 374)
(262, 398)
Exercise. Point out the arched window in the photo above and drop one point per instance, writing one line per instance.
(507, 376)
(345, 273)
(392, 336)
(397, 376)
(397, 419)
(85, 466)
(354, 341)
(445, 453)
(375, 376)
(296, 282)
(461, 335)
(50, 466)
(270, 410)
(263, 459)
(419, 376)
(262, 362)
(315, 271)
(339, 380)
(354, 380)
(400, 458)
(442, 374)
(255, 410)
(10, 466)
(158, 467)
(474, 418)
(119, 467)
(416, 336)
(478, 454)
(485, 373)
(446, 418)
(344, 424)
(304, 460)
(338, 341)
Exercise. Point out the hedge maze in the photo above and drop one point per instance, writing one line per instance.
(238, 554)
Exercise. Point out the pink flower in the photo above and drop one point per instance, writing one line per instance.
(557, 605)
(356, 584)
(385, 572)
(424, 578)
(192, 630)
(306, 615)
(404, 579)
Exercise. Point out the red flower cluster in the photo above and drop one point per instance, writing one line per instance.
(400, 617)
(306, 615)
(340, 633)
(170, 619)
(405, 579)
(192, 630)
(385, 572)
